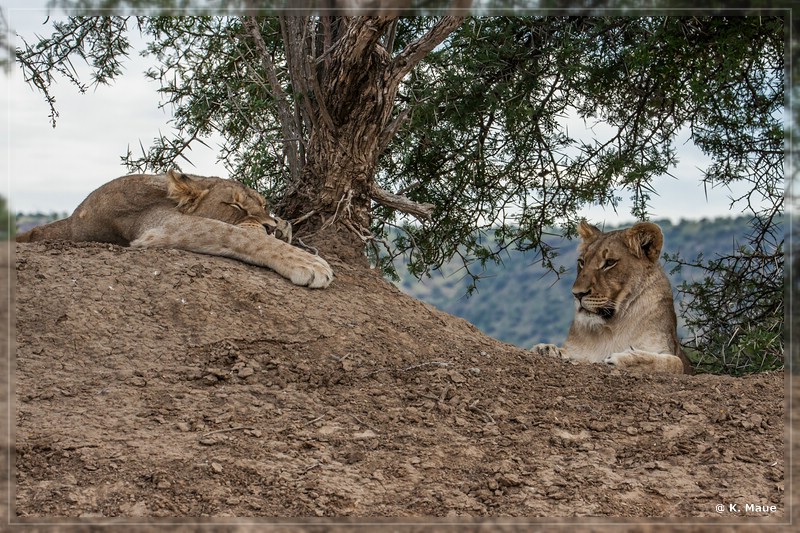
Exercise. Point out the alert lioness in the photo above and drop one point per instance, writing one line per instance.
(624, 313)
(205, 215)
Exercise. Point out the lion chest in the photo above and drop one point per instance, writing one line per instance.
(640, 327)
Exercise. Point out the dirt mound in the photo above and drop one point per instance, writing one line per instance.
(169, 384)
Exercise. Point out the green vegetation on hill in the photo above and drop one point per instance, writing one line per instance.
(6, 227)
(520, 303)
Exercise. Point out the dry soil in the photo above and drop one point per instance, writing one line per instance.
(165, 386)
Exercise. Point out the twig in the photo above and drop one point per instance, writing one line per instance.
(364, 423)
(237, 428)
(443, 396)
(435, 363)
(71, 447)
(306, 247)
(474, 408)
(320, 417)
(310, 468)
(304, 217)
(430, 397)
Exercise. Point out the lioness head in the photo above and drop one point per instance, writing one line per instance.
(225, 200)
(610, 267)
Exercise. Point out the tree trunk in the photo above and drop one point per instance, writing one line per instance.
(342, 151)
(344, 80)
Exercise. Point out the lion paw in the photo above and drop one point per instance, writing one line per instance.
(627, 360)
(548, 350)
(311, 271)
(646, 362)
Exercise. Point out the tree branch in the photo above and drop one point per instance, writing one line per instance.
(401, 203)
(418, 49)
(389, 132)
(289, 125)
(360, 37)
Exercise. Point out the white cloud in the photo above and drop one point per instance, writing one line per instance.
(53, 169)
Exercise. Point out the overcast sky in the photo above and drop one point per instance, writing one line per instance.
(53, 169)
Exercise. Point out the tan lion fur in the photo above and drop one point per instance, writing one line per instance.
(624, 312)
(200, 214)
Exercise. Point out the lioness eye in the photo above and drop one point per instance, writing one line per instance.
(237, 206)
(608, 263)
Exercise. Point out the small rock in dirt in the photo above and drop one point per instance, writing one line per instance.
(138, 381)
(691, 408)
(183, 426)
(164, 484)
(509, 479)
(596, 425)
(246, 372)
(137, 509)
(216, 467)
(220, 373)
(278, 446)
(353, 457)
(457, 377)
(475, 371)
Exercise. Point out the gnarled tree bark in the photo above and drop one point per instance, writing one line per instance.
(344, 80)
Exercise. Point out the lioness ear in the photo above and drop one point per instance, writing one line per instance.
(645, 240)
(588, 232)
(184, 190)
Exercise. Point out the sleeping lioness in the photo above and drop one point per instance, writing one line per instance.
(204, 215)
(624, 313)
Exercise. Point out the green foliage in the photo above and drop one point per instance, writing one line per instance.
(489, 114)
(486, 137)
(7, 228)
(737, 309)
(100, 42)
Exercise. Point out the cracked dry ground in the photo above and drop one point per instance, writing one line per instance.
(169, 384)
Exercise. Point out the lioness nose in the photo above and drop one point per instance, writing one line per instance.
(580, 294)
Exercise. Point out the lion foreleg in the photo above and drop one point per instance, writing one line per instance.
(639, 360)
(247, 244)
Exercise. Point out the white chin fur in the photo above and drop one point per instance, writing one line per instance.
(589, 320)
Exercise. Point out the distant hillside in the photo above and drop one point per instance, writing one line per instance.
(510, 303)
(27, 221)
